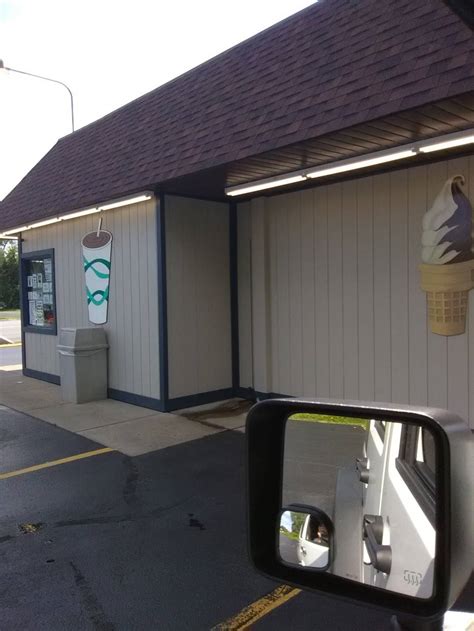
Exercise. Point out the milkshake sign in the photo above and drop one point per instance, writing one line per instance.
(447, 271)
(96, 253)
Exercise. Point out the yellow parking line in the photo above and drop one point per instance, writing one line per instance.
(257, 610)
(10, 345)
(55, 463)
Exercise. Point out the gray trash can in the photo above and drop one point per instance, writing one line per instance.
(83, 364)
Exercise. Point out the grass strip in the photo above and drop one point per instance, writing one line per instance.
(335, 420)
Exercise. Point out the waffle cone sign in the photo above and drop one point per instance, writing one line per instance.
(447, 271)
(447, 293)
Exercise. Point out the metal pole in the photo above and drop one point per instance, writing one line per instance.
(37, 76)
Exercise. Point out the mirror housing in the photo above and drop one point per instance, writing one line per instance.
(454, 521)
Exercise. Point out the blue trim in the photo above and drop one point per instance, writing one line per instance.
(22, 289)
(135, 399)
(202, 398)
(234, 294)
(162, 301)
(42, 376)
(25, 314)
(178, 403)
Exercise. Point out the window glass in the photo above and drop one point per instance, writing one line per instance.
(39, 304)
(416, 465)
(428, 450)
(380, 427)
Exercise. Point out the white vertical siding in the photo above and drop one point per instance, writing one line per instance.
(262, 353)
(347, 314)
(198, 286)
(308, 272)
(132, 329)
(335, 285)
(350, 291)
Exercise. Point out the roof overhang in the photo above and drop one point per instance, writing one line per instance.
(412, 128)
(450, 118)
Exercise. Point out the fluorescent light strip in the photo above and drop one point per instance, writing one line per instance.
(46, 222)
(22, 229)
(83, 213)
(126, 202)
(351, 165)
(80, 213)
(264, 184)
(447, 144)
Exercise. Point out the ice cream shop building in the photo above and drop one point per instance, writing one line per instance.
(291, 217)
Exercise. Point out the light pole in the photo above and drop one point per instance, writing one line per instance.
(37, 76)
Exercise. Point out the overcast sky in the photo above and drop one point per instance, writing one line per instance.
(108, 52)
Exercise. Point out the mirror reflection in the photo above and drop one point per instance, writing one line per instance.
(374, 483)
(304, 539)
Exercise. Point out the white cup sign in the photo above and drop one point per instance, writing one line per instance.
(96, 252)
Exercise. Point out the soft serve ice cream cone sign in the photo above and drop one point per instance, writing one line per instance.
(447, 271)
(96, 255)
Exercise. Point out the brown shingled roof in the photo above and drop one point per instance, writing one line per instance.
(335, 64)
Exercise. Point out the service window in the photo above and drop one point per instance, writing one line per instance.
(38, 292)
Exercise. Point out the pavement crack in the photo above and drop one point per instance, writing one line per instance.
(87, 521)
(90, 601)
(130, 487)
(116, 519)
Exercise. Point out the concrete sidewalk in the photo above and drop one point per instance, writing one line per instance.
(129, 429)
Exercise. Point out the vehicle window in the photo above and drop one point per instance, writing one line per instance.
(416, 465)
(428, 450)
(380, 427)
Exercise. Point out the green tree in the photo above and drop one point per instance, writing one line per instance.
(9, 278)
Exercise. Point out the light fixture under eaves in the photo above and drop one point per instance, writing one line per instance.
(454, 140)
(82, 213)
(261, 185)
(46, 222)
(16, 230)
(352, 164)
(127, 201)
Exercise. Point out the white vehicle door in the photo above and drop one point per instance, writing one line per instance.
(311, 553)
(374, 469)
(405, 520)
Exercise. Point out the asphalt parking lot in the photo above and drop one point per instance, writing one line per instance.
(152, 542)
(156, 541)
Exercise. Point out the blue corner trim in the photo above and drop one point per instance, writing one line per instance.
(42, 376)
(201, 398)
(22, 302)
(234, 295)
(136, 399)
(177, 403)
(162, 301)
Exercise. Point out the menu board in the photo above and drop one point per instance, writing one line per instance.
(40, 292)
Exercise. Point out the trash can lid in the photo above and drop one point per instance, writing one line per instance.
(91, 338)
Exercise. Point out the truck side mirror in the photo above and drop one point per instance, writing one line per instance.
(365, 502)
